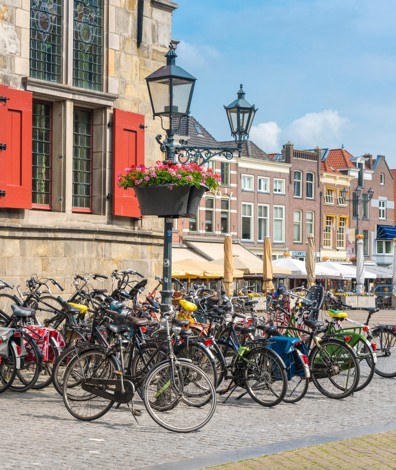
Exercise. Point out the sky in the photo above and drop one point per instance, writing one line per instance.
(321, 72)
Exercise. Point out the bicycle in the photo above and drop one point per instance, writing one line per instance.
(177, 394)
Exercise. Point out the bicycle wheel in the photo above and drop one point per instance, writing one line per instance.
(88, 365)
(29, 371)
(45, 377)
(6, 300)
(298, 377)
(367, 361)
(179, 396)
(265, 376)
(7, 370)
(385, 340)
(334, 368)
(200, 356)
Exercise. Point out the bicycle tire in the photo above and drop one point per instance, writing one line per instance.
(367, 362)
(200, 356)
(7, 369)
(334, 368)
(265, 376)
(91, 364)
(45, 378)
(385, 340)
(298, 381)
(30, 368)
(179, 396)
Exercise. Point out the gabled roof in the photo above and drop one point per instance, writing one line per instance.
(339, 159)
(249, 149)
(327, 168)
(197, 135)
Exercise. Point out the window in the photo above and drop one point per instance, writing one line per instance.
(328, 231)
(310, 223)
(341, 230)
(310, 186)
(355, 205)
(88, 44)
(193, 224)
(263, 222)
(297, 226)
(82, 159)
(382, 179)
(279, 224)
(341, 198)
(279, 186)
(211, 165)
(225, 173)
(263, 184)
(247, 183)
(382, 208)
(247, 222)
(209, 214)
(41, 154)
(225, 215)
(329, 196)
(365, 243)
(46, 40)
(384, 247)
(297, 184)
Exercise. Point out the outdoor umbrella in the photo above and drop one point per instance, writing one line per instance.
(359, 264)
(267, 266)
(310, 261)
(228, 266)
(296, 267)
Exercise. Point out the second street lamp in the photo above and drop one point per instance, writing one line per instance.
(170, 89)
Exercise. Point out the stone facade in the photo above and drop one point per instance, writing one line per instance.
(61, 241)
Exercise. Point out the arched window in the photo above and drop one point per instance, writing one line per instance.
(297, 184)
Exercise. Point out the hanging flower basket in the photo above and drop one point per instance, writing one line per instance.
(168, 200)
(169, 189)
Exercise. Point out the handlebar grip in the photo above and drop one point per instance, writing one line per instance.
(100, 276)
(78, 276)
(56, 283)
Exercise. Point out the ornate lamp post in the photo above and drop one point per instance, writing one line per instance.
(357, 200)
(170, 89)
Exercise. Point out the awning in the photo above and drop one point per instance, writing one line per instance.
(386, 232)
(181, 253)
(215, 251)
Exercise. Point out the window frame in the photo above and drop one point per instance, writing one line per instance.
(282, 183)
(227, 212)
(276, 221)
(310, 184)
(210, 210)
(250, 218)
(297, 224)
(382, 209)
(263, 220)
(245, 178)
(225, 173)
(329, 196)
(297, 184)
(267, 181)
(310, 224)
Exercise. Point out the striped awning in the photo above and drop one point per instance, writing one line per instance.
(386, 232)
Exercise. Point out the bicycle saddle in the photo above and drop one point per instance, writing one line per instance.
(22, 311)
(314, 324)
(337, 314)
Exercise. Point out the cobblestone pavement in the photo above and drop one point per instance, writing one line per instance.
(37, 431)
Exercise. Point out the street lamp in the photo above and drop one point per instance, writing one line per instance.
(357, 200)
(170, 90)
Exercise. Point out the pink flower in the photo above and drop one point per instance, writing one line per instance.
(147, 178)
(189, 177)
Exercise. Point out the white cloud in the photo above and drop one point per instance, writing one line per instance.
(323, 129)
(266, 135)
(192, 56)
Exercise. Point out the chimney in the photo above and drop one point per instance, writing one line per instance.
(368, 158)
(288, 152)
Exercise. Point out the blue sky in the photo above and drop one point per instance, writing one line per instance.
(321, 72)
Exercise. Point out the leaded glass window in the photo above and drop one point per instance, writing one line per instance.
(41, 155)
(46, 40)
(82, 159)
(88, 44)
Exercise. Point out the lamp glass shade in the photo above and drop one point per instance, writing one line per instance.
(170, 96)
(240, 116)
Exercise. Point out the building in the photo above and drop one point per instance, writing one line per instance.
(73, 102)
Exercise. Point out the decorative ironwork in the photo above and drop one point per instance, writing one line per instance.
(194, 154)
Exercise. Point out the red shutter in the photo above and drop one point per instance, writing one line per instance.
(16, 159)
(128, 150)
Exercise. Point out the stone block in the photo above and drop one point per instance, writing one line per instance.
(21, 66)
(114, 41)
(9, 247)
(22, 18)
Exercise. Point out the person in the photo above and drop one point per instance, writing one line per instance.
(281, 289)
